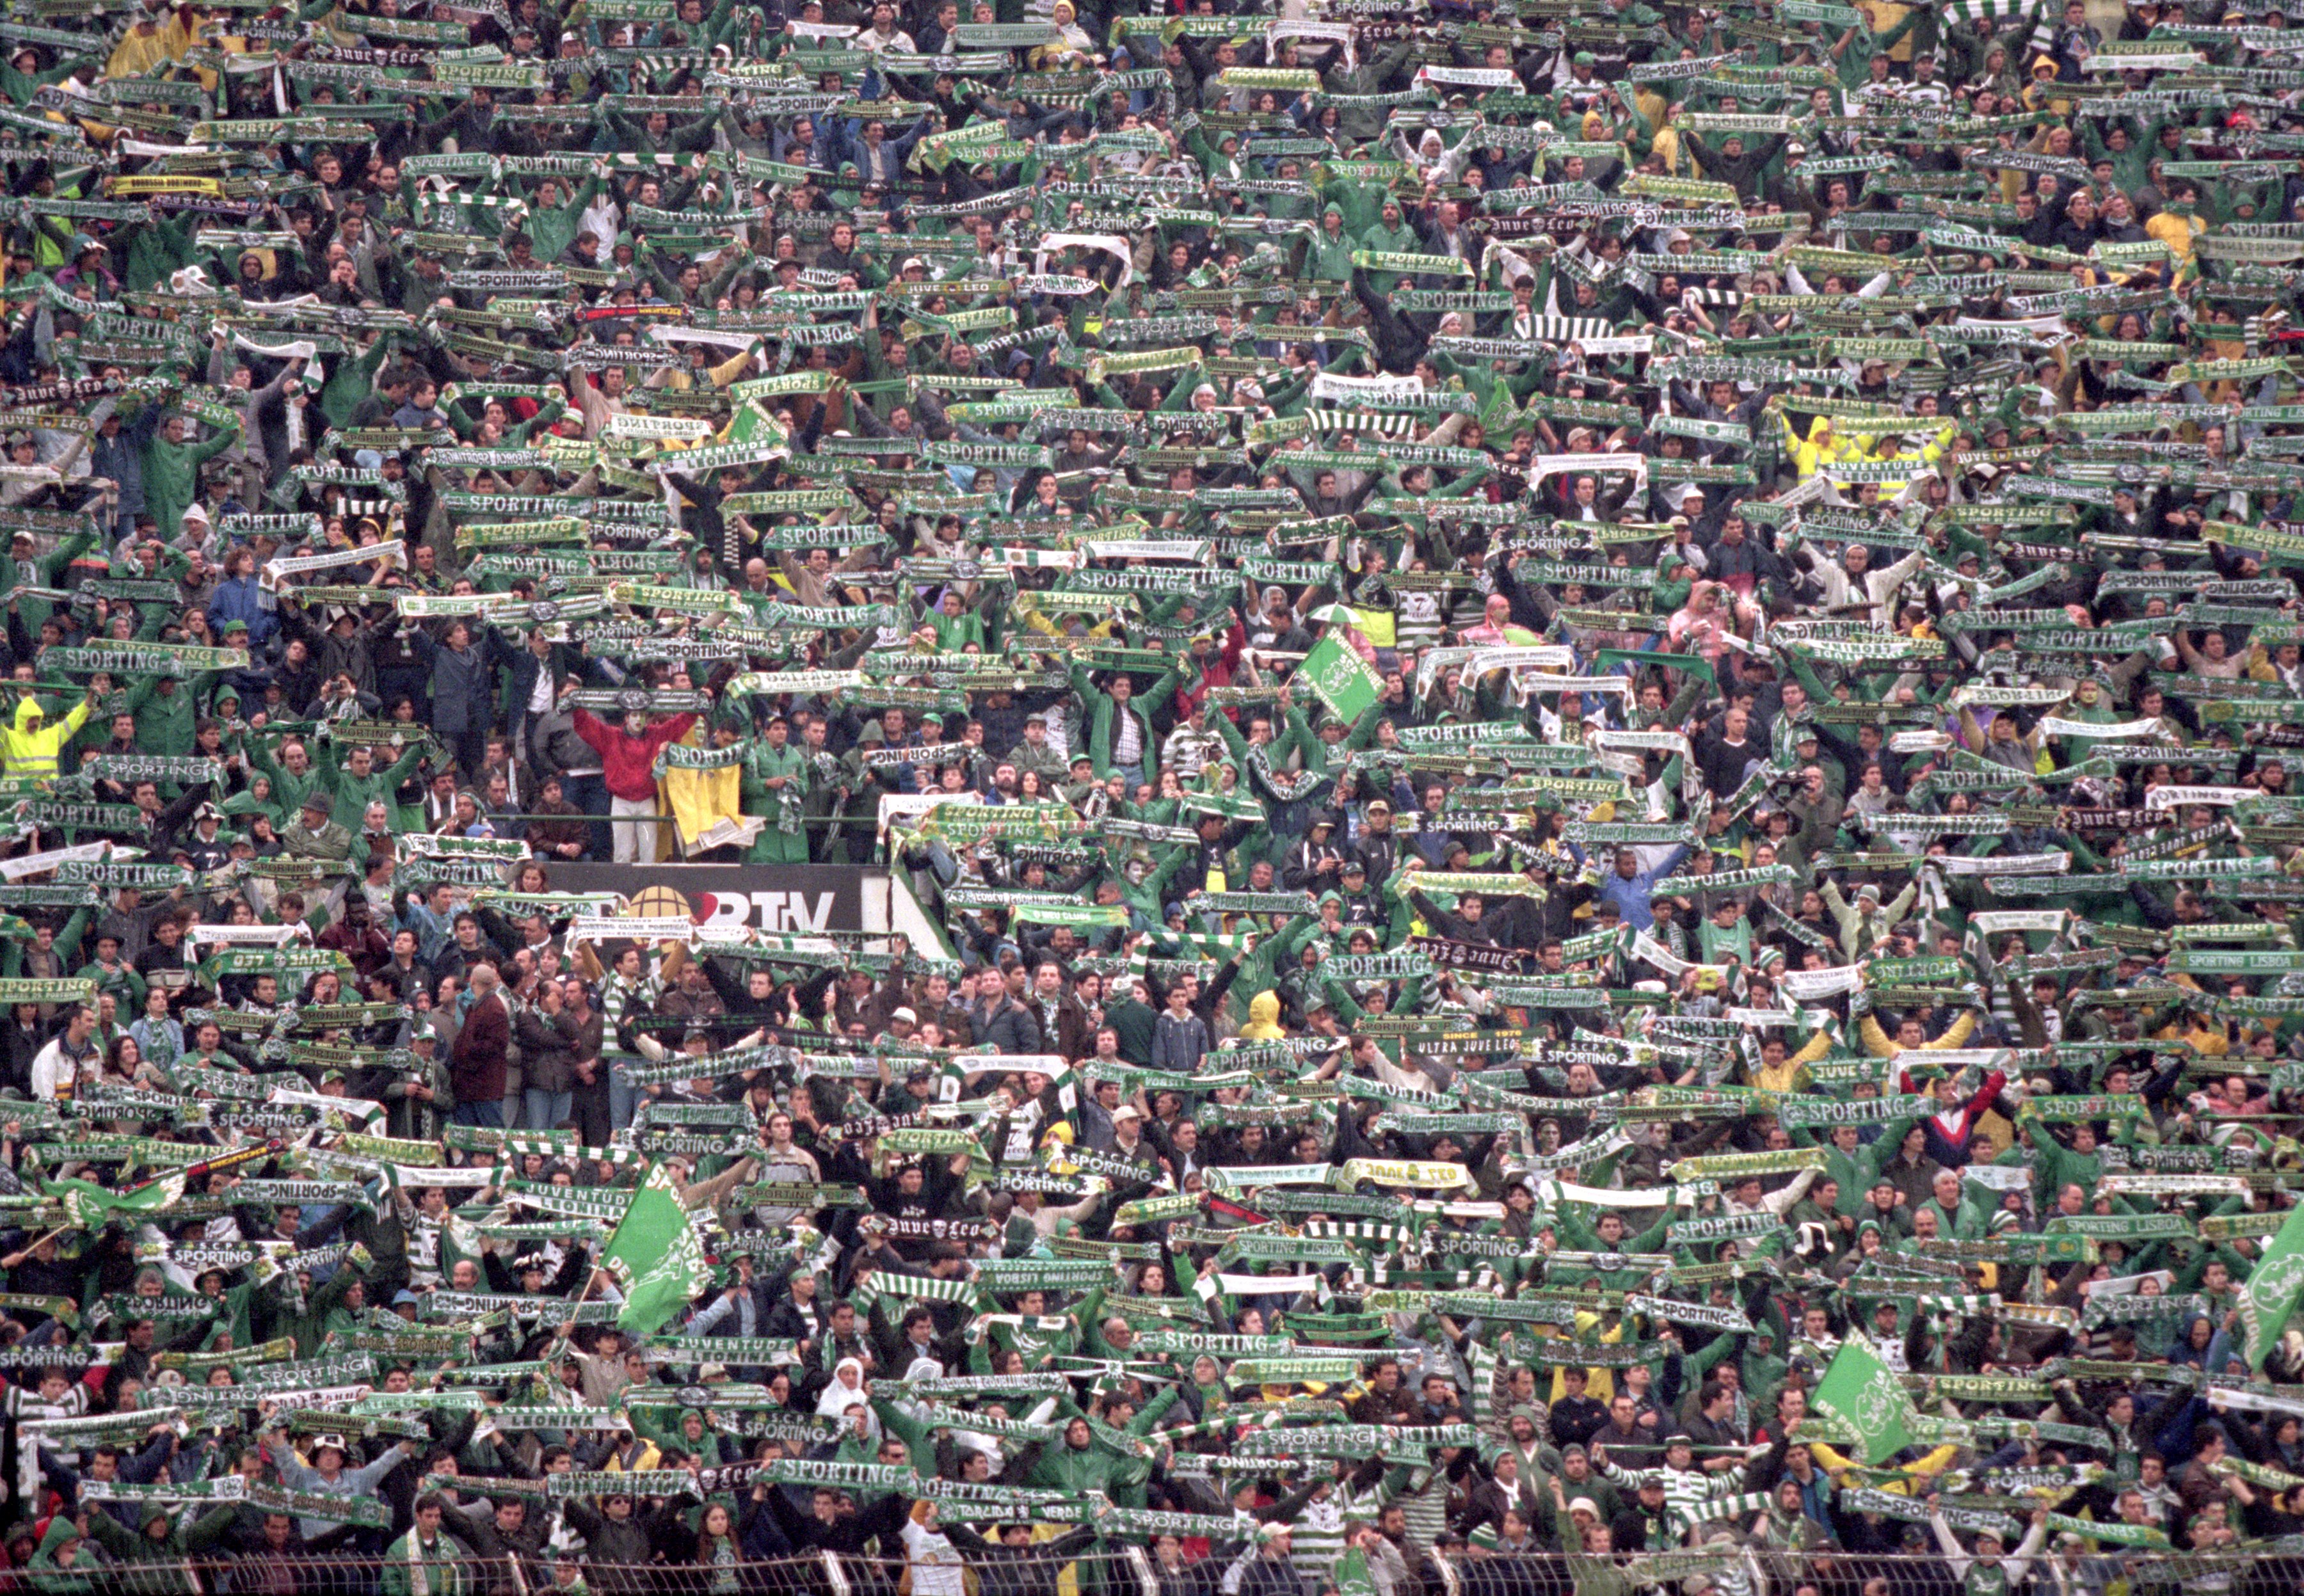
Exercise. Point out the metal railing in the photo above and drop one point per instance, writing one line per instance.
(827, 833)
(1140, 1571)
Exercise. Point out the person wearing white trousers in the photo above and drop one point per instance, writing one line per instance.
(634, 823)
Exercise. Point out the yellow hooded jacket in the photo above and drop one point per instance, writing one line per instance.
(1820, 447)
(1916, 1474)
(700, 799)
(1262, 1018)
(28, 748)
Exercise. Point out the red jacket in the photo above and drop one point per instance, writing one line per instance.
(1219, 674)
(365, 947)
(1951, 1138)
(477, 1062)
(627, 763)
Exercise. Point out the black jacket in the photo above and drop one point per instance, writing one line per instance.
(850, 1535)
(1019, 1570)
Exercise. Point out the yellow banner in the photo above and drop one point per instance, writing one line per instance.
(207, 186)
(1403, 1172)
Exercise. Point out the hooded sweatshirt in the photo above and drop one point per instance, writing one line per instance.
(49, 1574)
(162, 1573)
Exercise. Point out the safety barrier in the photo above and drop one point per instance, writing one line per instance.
(2245, 1569)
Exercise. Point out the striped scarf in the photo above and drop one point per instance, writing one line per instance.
(1490, 1395)
(2005, 11)
(1565, 329)
(906, 1289)
(1387, 425)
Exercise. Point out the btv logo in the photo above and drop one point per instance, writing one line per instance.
(769, 911)
(731, 911)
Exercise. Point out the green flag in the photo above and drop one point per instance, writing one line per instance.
(2273, 1287)
(1694, 663)
(1343, 680)
(656, 1257)
(1864, 1393)
(91, 1206)
(750, 425)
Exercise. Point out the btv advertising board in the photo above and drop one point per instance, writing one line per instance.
(789, 898)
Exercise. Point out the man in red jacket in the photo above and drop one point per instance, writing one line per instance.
(476, 1062)
(628, 761)
(1950, 1130)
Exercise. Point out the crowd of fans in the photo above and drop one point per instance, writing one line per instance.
(1590, 706)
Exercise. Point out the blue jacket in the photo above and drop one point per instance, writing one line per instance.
(461, 699)
(724, 1316)
(239, 599)
(517, 667)
(1630, 896)
(142, 1468)
(122, 458)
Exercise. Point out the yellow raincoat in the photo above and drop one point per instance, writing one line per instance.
(28, 748)
(698, 798)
